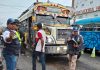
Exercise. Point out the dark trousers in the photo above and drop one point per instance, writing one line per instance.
(23, 48)
(41, 56)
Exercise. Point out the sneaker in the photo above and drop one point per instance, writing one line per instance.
(22, 54)
(18, 69)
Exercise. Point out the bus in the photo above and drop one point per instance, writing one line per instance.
(56, 23)
(91, 32)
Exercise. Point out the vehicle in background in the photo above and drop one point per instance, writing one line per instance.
(90, 30)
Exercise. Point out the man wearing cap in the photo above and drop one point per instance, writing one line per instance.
(12, 45)
(75, 42)
(39, 48)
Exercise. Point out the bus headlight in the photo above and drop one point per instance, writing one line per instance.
(58, 48)
(65, 48)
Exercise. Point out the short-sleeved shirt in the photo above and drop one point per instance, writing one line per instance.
(40, 34)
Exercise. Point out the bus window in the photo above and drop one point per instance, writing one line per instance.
(87, 29)
(82, 29)
(98, 29)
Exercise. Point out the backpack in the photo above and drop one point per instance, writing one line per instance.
(73, 41)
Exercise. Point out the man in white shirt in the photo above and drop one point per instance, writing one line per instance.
(12, 45)
(39, 48)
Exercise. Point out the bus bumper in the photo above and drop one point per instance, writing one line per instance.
(56, 49)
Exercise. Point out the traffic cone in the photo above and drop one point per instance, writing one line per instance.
(82, 51)
(93, 53)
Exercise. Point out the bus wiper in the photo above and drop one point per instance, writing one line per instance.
(59, 21)
(54, 18)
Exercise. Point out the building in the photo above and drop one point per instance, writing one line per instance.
(86, 9)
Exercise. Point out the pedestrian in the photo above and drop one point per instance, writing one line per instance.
(21, 38)
(39, 47)
(12, 45)
(18, 33)
(75, 42)
(23, 48)
(1, 47)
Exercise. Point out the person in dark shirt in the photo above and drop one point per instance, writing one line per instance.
(75, 43)
(12, 45)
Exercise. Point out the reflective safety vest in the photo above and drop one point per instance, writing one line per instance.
(12, 48)
(25, 35)
(18, 35)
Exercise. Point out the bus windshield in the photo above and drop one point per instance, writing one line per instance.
(51, 20)
(63, 20)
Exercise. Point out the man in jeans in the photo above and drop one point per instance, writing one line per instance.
(75, 43)
(39, 47)
(12, 45)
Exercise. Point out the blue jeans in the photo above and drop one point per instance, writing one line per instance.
(41, 56)
(10, 61)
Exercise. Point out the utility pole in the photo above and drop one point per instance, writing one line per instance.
(37, 1)
(73, 3)
(48, 1)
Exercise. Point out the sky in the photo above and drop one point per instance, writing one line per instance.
(13, 8)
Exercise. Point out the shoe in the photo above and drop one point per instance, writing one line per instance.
(18, 69)
(22, 54)
(27, 56)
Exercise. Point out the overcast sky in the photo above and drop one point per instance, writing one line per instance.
(13, 8)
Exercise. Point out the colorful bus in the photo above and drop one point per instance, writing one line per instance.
(56, 23)
(91, 32)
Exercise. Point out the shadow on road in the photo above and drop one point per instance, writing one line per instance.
(84, 66)
(59, 62)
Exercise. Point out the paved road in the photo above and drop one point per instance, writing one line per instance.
(61, 63)
(25, 63)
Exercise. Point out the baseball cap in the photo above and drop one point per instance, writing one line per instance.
(10, 20)
(16, 21)
(39, 25)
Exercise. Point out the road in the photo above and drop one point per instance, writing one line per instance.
(61, 63)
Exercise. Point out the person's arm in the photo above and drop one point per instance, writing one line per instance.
(42, 44)
(81, 42)
(11, 35)
(9, 39)
(41, 39)
(8, 36)
(68, 40)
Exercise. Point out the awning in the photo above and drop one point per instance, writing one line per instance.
(88, 21)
